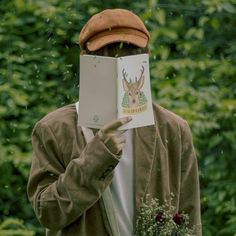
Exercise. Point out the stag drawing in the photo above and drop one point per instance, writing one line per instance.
(133, 94)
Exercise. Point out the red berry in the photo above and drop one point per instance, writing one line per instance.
(178, 219)
(159, 218)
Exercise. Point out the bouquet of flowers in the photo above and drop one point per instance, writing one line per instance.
(161, 220)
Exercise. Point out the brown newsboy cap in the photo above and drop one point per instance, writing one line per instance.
(111, 26)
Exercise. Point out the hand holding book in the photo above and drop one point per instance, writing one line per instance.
(113, 138)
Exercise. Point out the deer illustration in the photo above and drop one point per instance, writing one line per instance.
(132, 89)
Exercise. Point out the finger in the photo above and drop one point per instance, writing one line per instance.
(120, 148)
(115, 132)
(120, 132)
(120, 140)
(116, 124)
(106, 136)
(114, 140)
(102, 135)
(113, 147)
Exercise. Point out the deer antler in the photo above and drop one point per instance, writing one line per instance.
(125, 75)
(142, 71)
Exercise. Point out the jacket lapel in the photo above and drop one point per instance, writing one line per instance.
(144, 151)
(144, 147)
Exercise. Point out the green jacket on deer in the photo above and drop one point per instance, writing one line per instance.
(68, 177)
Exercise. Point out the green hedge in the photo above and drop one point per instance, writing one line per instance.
(193, 74)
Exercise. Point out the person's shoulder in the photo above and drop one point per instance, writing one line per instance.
(165, 116)
(63, 116)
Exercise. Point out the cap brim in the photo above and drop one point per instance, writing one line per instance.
(129, 36)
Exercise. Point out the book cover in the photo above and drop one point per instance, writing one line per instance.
(111, 88)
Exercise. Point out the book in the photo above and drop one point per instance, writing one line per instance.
(115, 87)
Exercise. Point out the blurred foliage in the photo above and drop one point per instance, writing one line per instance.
(14, 227)
(193, 74)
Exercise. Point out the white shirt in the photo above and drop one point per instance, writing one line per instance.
(122, 188)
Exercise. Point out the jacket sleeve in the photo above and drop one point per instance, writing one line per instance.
(190, 190)
(60, 195)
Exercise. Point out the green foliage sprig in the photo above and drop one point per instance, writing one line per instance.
(156, 219)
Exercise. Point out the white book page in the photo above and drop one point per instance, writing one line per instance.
(134, 91)
(97, 91)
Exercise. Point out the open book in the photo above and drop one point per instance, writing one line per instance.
(111, 88)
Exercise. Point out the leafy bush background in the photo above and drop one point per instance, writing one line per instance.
(193, 74)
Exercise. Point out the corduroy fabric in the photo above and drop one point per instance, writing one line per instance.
(68, 177)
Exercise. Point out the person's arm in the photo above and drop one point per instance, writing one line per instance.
(58, 195)
(190, 191)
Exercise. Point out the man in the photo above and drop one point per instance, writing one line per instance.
(68, 177)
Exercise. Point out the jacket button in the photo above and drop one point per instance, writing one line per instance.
(107, 172)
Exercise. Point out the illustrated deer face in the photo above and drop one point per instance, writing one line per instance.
(133, 88)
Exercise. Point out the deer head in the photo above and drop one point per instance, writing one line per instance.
(133, 88)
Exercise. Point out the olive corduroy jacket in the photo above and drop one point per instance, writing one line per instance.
(68, 176)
